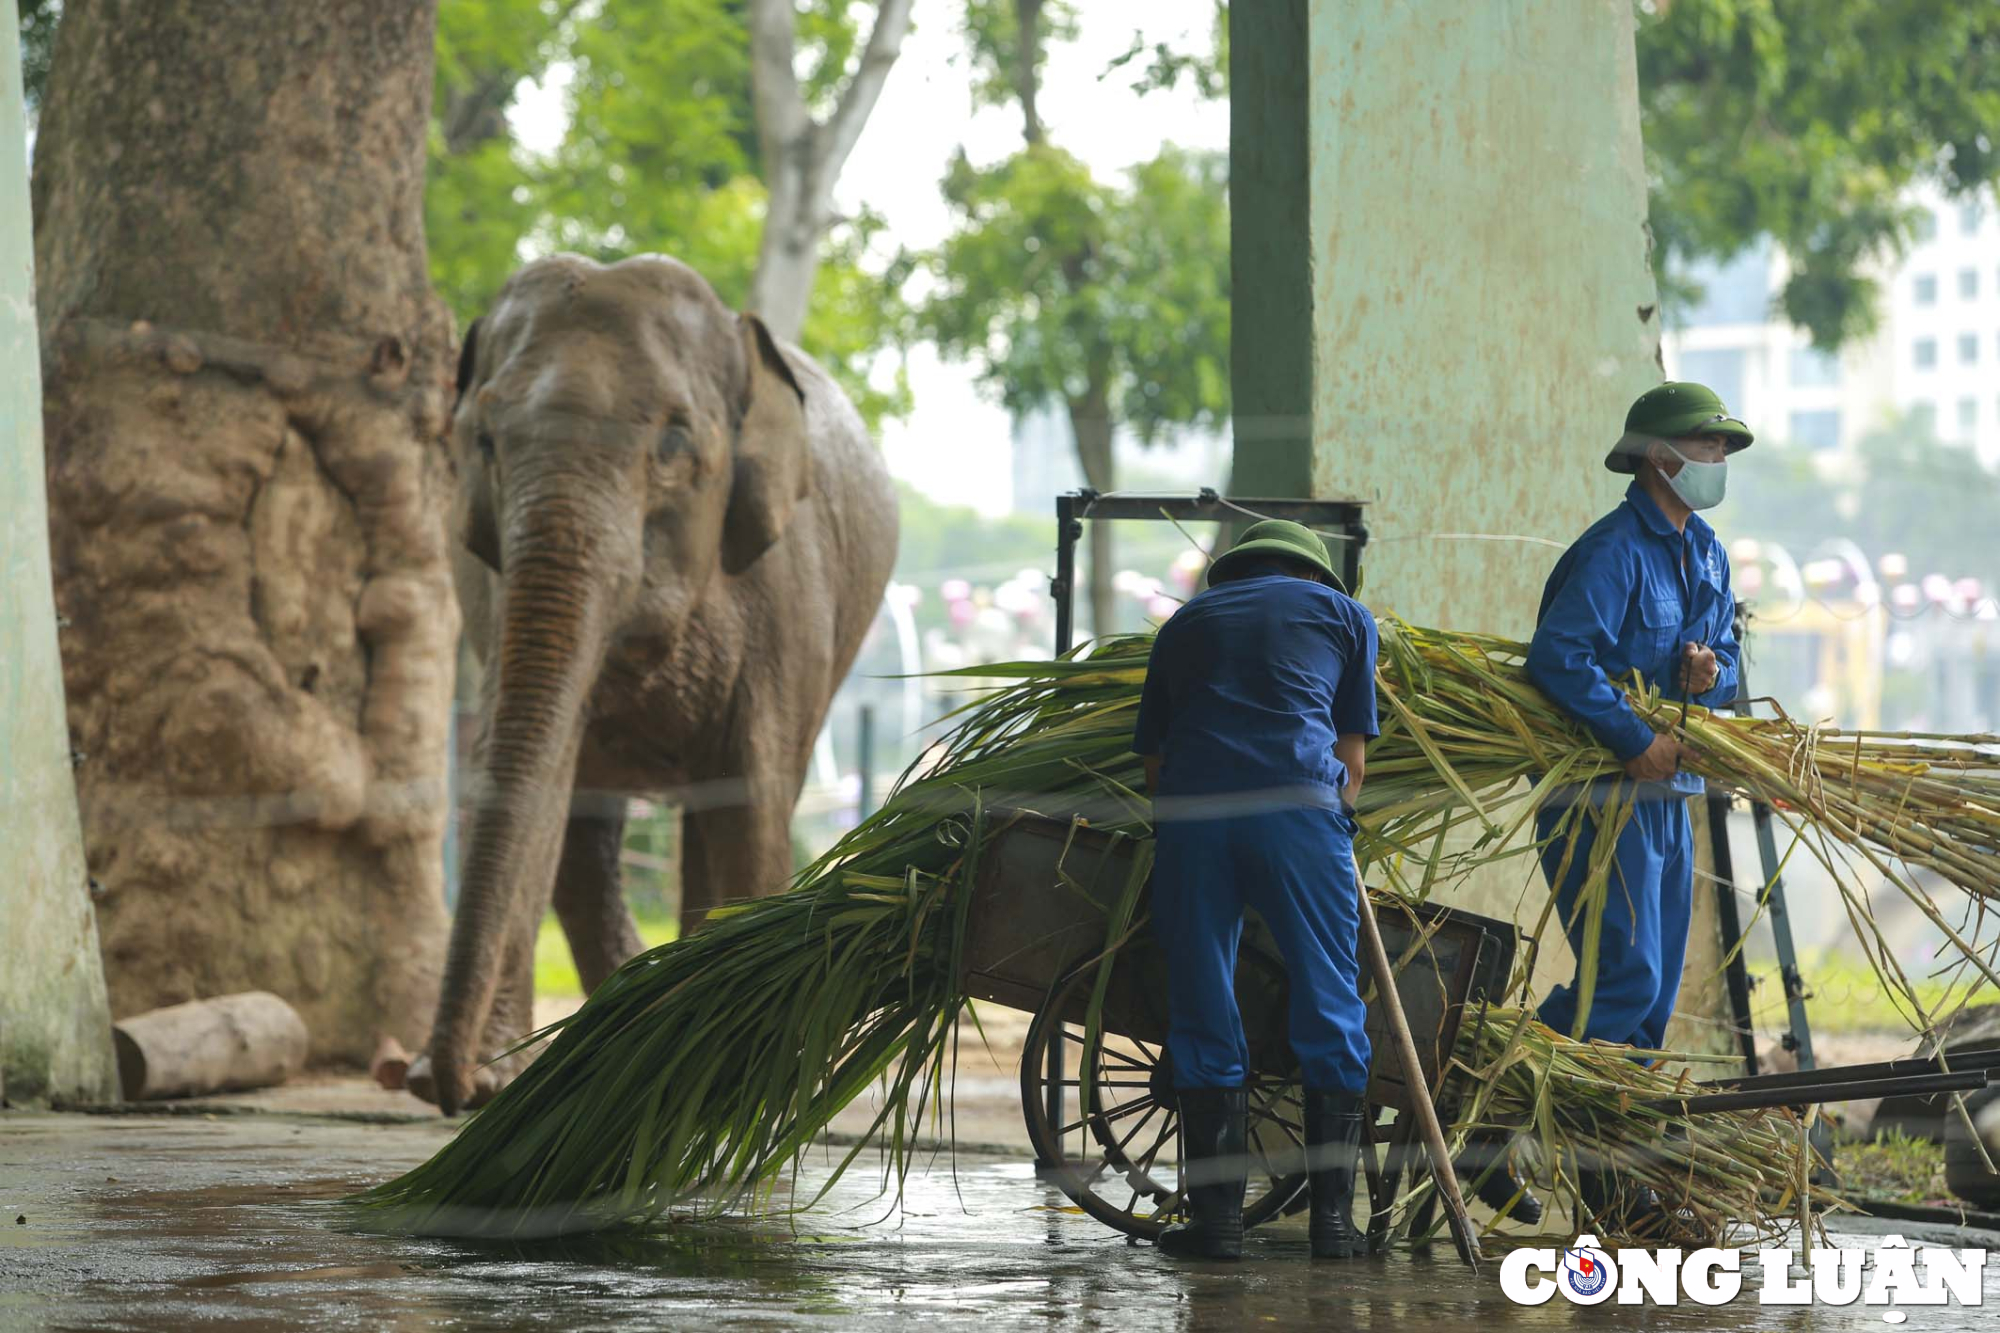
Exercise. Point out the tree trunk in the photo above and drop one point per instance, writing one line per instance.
(1090, 422)
(795, 216)
(248, 382)
(1027, 78)
(253, 1040)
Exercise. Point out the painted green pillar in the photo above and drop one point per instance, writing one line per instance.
(55, 1024)
(1443, 304)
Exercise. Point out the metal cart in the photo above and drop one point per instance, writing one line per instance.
(1100, 1107)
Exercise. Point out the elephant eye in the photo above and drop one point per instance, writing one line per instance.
(675, 439)
(485, 446)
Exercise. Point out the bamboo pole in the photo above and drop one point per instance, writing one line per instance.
(1462, 1234)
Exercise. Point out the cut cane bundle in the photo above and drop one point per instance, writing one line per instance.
(1734, 1177)
(694, 1075)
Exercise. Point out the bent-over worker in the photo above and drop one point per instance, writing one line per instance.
(1646, 589)
(1258, 705)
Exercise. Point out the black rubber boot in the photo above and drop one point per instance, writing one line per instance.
(1594, 1197)
(1631, 1211)
(1333, 1150)
(1216, 1167)
(1494, 1148)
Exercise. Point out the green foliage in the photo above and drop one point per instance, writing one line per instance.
(1806, 120)
(1803, 120)
(992, 30)
(660, 155)
(1054, 283)
(1933, 502)
(38, 42)
(1911, 494)
(937, 541)
(1207, 73)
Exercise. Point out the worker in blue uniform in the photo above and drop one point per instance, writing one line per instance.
(1645, 590)
(1258, 706)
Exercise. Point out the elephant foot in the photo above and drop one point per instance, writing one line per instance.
(487, 1080)
(391, 1066)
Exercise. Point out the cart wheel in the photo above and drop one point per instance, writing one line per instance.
(1119, 1161)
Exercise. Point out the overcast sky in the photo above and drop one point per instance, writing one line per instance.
(953, 445)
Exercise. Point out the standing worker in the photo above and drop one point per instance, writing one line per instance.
(1258, 705)
(1646, 589)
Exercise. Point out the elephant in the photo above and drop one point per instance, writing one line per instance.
(675, 532)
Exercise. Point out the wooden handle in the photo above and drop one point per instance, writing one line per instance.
(1463, 1237)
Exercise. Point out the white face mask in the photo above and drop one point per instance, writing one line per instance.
(1699, 485)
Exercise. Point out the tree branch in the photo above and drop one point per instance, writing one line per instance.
(774, 86)
(885, 42)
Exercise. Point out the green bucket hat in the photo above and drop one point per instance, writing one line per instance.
(1274, 536)
(1668, 412)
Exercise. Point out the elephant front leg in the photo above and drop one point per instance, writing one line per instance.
(589, 898)
(735, 851)
(511, 1018)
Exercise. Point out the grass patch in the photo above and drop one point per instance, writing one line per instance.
(555, 972)
(1845, 996)
(1893, 1168)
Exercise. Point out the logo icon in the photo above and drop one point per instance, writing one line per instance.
(1588, 1274)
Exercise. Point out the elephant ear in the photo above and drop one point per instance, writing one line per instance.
(474, 485)
(773, 466)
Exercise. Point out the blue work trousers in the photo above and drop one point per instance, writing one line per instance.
(1644, 938)
(1296, 867)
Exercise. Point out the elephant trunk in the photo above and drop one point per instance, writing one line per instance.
(554, 628)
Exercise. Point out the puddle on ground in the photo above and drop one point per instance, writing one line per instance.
(232, 1225)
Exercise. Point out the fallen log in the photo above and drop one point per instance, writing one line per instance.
(224, 1044)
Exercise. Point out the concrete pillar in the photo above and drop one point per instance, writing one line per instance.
(1443, 304)
(55, 1024)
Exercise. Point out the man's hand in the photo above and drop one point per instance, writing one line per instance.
(1698, 669)
(1661, 760)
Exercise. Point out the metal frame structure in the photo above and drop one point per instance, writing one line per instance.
(1074, 508)
(1770, 898)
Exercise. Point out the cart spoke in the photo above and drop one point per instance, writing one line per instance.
(1133, 1132)
(1105, 1117)
(1171, 1205)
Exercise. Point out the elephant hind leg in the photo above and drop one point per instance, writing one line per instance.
(589, 897)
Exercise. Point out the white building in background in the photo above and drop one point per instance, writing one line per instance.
(1935, 354)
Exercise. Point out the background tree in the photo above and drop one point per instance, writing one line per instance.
(1807, 120)
(483, 195)
(804, 149)
(661, 152)
(246, 379)
(1802, 120)
(1112, 300)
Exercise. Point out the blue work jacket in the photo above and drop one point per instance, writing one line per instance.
(1249, 686)
(1626, 597)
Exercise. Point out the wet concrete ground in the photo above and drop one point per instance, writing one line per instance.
(224, 1223)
